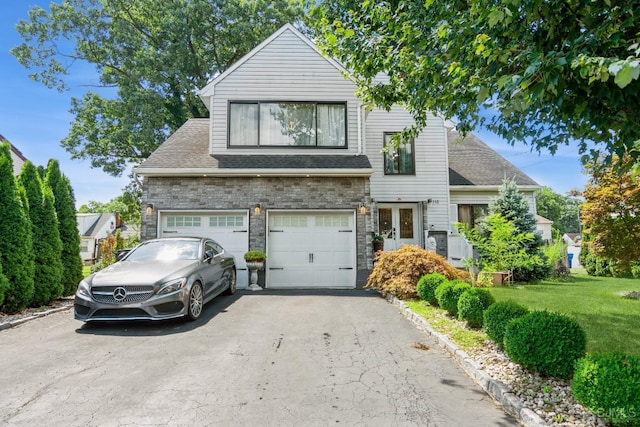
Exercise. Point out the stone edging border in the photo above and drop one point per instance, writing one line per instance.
(497, 390)
(17, 322)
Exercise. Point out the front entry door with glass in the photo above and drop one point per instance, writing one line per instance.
(398, 224)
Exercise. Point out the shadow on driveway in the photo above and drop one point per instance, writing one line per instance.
(219, 305)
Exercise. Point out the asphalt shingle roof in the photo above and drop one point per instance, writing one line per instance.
(472, 162)
(188, 147)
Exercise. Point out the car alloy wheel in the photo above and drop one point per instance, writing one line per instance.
(195, 301)
(230, 277)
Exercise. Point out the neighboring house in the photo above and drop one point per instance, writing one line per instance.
(16, 156)
(93, 228)
(574, 244)
(544, 227)
(290, 162)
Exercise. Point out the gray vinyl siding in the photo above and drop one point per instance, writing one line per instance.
(287, 69)
(431, 166)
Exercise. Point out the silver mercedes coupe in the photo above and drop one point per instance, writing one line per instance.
(159, 279)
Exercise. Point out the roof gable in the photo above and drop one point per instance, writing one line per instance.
(209, 89)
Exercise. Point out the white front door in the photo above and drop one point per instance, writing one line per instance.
(312, 249)
(228, 228)
(399, 224)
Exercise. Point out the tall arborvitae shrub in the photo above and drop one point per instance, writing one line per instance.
(4, 285)
(16, 254)
(68, 227)
(47, 247)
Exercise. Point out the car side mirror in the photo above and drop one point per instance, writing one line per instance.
(208, 255)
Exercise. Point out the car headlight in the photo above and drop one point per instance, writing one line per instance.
(84, 289)
(172, 286)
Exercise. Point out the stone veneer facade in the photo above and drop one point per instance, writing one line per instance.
(300, 193)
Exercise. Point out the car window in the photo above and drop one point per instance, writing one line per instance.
(213, 247)
(166, 250)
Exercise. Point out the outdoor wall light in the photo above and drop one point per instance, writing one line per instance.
(257, 209)
(150, 209)
(362, 208)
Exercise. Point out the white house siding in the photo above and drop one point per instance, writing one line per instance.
(431, 179)
(286, 69)
(470, 197)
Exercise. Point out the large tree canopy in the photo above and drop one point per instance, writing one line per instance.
(554, 71)
(154, 54)
(564, 211)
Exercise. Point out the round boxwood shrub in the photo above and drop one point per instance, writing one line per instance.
(609, 386)
(497, 317)
(545, 342)
(472, 304)
(427, 285)
(448, 294)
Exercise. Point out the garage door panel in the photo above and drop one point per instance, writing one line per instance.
(311, 250)
(229, 229)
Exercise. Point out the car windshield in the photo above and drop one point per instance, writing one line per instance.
(165, 250)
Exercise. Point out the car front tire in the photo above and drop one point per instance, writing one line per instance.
(196, 301)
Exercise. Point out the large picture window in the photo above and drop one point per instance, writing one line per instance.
(287, 124)
(399, 160)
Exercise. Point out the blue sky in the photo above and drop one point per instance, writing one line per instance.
(35, 119)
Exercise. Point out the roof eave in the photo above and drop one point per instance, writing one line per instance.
(206, 172)
(491, 187)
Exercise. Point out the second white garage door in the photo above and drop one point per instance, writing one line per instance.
(314, 249)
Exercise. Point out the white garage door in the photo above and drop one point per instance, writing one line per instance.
(311, 250)
(229, 229)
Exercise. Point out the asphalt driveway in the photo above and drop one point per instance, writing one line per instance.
(254, 359)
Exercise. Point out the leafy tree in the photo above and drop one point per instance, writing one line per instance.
(501, 246)
(611, 215)
(556, 72)
(46, 243)
(67, 225)
(153, 53)
(507, 238)
(16, 256)
(564, 211)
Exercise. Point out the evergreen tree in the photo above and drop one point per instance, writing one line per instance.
(47, 247)
(68, 227)
(4, 285)
(511, 205)
(16, 255)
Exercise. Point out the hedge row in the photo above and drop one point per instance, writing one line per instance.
(548, 343)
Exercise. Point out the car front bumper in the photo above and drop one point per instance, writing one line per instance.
(156, 307)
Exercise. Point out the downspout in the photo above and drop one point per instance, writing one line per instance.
(359, 116)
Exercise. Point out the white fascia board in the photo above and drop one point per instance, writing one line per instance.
(491, 187)
(154, 172)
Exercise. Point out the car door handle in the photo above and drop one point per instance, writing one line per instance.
(276, 268)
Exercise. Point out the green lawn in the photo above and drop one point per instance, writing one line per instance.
(612, 323)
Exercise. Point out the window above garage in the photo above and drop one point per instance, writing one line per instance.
(287, 124)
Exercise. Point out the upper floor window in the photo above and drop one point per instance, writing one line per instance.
(399, 160)
(287, 124)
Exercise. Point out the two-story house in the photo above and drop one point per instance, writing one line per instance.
(290, 162)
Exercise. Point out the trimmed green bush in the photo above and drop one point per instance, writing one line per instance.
(545, 342)
(426, 287)
(609, 386)
(472, 304)
(497, 317)
(448, 294)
